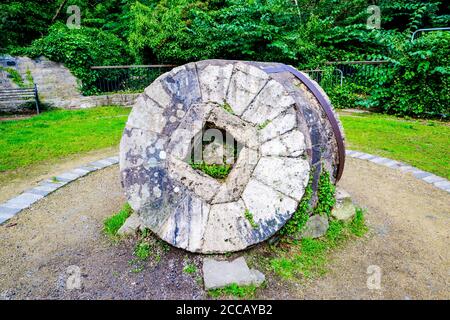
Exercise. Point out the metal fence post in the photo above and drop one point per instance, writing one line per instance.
(36, 98)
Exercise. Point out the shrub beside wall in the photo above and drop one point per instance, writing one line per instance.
(417, 83)
(78, 50)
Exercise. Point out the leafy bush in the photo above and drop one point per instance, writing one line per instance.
(79, 49)
(186, 30)
(349, 95)
(418, 83)
(299, 218)
(325, 195)
(23, 21)
(303, 33)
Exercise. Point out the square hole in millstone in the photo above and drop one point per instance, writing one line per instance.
(214, 151)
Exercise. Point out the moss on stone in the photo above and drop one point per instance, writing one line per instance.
(249, 216)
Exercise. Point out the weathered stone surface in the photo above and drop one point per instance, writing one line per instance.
(238, 178)
(157, 93)
(185, 227)
(246, 82)
(217, 153)
(270, 102)
(201, 184)
(227, 228)
(131, 225)
(245, 133)
(142, 147)
(192, 124)
(290, 144)
(315, 227)
(286, 175)
(214, 80)
(281, 124)
(344, 208)
(147, 115)
(219, 274)
(270, 209)
(193, 111)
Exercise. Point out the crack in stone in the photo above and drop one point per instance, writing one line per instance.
(257, 94)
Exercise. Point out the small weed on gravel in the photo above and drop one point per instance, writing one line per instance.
(113, 224)
(190, 268)
(235, 291)
(149, 250)
(142, 250)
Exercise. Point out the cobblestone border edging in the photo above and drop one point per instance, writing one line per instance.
(13, 206)
(427, 177)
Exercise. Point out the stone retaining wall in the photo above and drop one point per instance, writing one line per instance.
(57, 86)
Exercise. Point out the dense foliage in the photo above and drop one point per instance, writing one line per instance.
(304, 33)
(419, 81)
(79, 49)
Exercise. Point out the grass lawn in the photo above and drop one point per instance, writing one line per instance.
(59, 133)
(420, 143)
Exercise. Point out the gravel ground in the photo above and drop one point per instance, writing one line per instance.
(16, 181)
(409, 222)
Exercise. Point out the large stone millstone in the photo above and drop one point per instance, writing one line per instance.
(283, 132)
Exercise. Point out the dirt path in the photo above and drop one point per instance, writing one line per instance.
(409, 238)
(64, 229)
(16, 181)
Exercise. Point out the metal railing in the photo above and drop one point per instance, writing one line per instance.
(420, 31)
(127, 79)
(135, 78)
(361, 73)
(326, 78)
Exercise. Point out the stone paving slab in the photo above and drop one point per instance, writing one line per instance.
(421, 174)
(15, 205)
(393, 164)
(24, 200)
(366, 157)
(433, 178)
(6, 216)
(80, 171)
(87, 168)
(99, 165)
(5, 210)
(442, 184)
(38, 192)
(427, 177)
